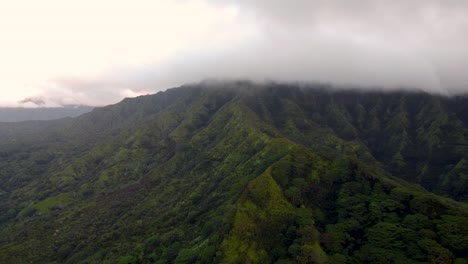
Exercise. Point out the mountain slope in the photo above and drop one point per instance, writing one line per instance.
(240, 173)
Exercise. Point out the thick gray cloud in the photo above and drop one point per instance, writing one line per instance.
(369, 43)
(418, 43)
(411, 43)
(414, 44)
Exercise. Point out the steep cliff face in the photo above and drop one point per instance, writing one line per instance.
(240, 173)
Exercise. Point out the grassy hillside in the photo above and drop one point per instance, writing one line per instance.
(240, 173)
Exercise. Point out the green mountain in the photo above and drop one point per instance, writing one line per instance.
(239, 172)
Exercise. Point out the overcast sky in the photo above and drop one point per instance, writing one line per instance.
(98, 52)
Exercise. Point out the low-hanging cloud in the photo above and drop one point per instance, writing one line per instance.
(368, 43)
(393, 44)
(393, 39)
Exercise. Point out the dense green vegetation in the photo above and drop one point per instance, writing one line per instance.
(240, 173)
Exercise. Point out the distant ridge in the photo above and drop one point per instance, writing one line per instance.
(18, 114)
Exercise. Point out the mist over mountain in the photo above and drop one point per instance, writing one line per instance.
(241, 172)
(324, 132)
(17, 114)
(417, 45)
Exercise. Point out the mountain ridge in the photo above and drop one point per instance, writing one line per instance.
(275, 173)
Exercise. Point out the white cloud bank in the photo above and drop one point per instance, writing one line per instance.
(97, 52)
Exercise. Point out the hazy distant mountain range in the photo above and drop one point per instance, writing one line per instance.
(17, 114)
(240, 173)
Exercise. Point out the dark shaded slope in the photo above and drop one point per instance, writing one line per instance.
(416, 136)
